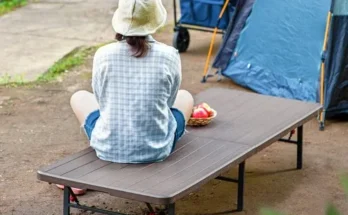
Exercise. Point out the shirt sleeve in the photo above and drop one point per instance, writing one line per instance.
(176, 71)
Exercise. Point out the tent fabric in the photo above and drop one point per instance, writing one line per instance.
(279, 48)
(242, 12)
(340, 7)
(336, 70)
(275, 48)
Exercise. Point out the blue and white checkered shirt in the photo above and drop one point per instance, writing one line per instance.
(135, 96)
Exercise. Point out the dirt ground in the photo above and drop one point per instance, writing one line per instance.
(38, 127)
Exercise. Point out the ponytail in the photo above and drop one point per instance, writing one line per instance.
(138, 44)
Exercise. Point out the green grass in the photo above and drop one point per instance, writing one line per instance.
(9, 5)
(8, 80)
(73, 59)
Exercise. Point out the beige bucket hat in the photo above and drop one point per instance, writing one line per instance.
(139, 17)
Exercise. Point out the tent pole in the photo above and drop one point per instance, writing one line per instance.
(322, 75)
(206, 68)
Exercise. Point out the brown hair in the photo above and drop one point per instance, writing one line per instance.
(139, 45)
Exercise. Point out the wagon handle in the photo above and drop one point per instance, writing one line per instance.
(212, 41)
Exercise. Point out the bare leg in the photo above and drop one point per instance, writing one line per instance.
(83, 103)
(184, 102)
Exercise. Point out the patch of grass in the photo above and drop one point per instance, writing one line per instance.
(73, 59)
(9, 5)
(10, 80)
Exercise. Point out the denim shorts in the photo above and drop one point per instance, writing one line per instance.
(178, 115)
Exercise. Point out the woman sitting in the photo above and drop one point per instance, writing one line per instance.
(136, 113)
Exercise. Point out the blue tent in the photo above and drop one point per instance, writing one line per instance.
(278, 48)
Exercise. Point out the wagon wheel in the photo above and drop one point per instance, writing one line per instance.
(181, 40)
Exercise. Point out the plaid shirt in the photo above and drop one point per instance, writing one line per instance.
(135, 96)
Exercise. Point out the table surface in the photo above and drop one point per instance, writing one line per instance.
(245, 124)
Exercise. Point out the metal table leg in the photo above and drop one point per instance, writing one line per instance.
(66, 201)
(299, 147)
(241, 174)
(171, 209)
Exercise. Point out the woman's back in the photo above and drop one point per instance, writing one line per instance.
(135, 96)
(137, 113)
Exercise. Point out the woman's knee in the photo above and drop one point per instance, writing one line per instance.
(184, 102)
(78, 96)
(186, 95)
(83, 103)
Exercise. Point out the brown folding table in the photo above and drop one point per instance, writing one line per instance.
(245, 124)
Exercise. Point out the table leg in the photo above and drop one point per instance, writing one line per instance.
(240, 197)
(171, 209)
(299, 147)
(66, 201)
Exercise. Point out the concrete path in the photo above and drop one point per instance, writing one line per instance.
(32, 38)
